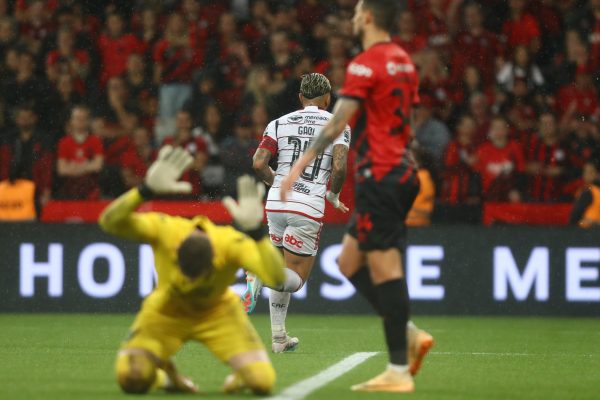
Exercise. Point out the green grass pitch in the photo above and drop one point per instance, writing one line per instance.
(71, 357)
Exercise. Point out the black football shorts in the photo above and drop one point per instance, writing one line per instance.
(380, 211)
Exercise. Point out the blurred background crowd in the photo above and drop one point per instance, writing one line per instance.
(90, 89)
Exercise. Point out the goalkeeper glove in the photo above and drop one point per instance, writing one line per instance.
(247, 212)
(163, 174)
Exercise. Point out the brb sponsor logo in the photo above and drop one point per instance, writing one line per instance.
(293, 241)
(300, 187)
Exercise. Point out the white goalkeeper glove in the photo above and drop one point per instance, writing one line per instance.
(334, 199)
(248, 211)
(163, 174)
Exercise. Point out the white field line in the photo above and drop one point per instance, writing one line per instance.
(458, 353)
(303, 388)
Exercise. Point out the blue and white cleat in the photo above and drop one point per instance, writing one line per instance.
(253, 286)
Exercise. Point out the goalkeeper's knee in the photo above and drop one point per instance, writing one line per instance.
(259, 376)
(136, 371)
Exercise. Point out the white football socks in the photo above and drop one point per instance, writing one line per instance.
(292, 282)
(279, 300)
(278, 305)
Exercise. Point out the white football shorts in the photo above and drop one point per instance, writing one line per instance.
(297, 234)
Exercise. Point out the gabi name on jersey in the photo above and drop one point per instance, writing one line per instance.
(293, 134)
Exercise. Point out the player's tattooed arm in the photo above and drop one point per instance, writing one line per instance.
(342, 113)
(338, 172)
(260, 164)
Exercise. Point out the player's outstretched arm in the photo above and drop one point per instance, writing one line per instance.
(342, 113)
(119, 217)
(260, 164)
(260, 257)
(338, 176)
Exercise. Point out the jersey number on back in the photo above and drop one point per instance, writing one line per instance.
(298, 150)
(399, 128)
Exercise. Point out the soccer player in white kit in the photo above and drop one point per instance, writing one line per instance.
(295, 226)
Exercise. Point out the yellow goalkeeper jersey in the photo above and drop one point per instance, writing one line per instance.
(176, 293)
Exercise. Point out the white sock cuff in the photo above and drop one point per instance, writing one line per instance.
(292, 282)
(398, 368)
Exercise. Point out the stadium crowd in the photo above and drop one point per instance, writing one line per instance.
(90, 89)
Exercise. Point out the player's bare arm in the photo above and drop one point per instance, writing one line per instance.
(342, 113)
(338, 172)
(338, 176)
(260, 164)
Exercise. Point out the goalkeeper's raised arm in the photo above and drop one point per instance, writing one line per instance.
(119, 218)
(248, 213)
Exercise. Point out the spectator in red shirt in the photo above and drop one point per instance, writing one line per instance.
(27, 150)
(80, 158)
(546, 161)
(115, 46)
(521, 28)
(136, 161)
(580, 96)
(407, 37)
(196, 146)
(66, 59)
(461, 183)
(476, 46)
(501, 163)
(176, 58)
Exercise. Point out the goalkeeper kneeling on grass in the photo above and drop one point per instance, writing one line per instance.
(196, 262)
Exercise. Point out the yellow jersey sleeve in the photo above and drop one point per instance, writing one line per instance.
(259, 257)
(120, 219)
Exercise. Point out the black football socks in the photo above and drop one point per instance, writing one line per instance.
(394, 304)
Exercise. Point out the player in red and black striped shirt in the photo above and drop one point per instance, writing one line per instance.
(382, 83)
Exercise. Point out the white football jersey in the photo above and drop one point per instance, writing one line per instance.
(293, 134)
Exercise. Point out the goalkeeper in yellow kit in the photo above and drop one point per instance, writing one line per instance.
(196, 262)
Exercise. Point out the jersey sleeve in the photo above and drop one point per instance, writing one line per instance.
(344, 137)
(119, 219)
(269, 140)
(259, 257)
(360, 78)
